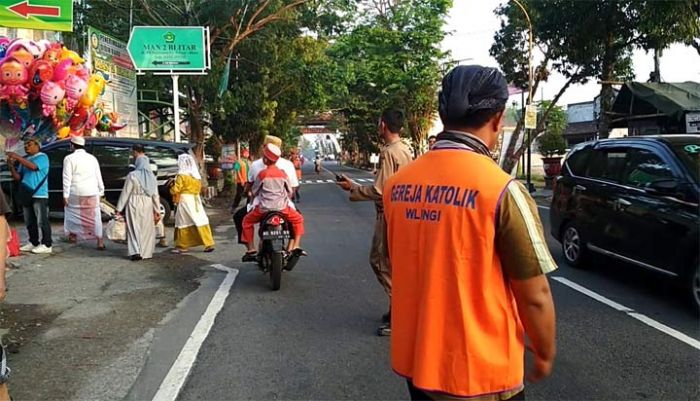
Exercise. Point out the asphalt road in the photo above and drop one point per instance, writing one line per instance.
(314, 339)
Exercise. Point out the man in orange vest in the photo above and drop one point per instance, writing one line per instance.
(468, 257)
(240, 169)
(296, 159)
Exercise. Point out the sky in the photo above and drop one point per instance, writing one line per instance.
(473, 24)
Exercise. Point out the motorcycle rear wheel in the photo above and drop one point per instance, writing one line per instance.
(277, 260)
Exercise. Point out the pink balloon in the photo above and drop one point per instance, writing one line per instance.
(60, 73)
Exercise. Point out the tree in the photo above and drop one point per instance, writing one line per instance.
(239, 21)
(584, 40)
(552, 142)
(390, 58)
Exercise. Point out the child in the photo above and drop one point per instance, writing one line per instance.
(272, 189)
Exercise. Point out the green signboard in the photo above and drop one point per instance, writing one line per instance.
(48, 15)
(169, 48)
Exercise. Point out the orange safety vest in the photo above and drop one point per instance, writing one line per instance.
(455, 326)
(297, 165)
(242, 173)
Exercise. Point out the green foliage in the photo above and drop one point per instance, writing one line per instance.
(354, 57)
(552, 142)
(586, 40)
(390, 59)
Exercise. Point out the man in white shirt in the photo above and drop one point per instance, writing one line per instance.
(255, 168)
(82, 190)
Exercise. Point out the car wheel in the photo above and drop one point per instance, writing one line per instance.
(694, 287)
(573, 246)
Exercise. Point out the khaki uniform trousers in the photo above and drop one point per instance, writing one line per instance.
(378, 255)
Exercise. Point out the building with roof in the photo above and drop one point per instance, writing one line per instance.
(658, 108)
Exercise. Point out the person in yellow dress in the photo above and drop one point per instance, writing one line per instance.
(191, 221)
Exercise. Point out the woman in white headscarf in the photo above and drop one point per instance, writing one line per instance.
(191, 221)
(141, 205)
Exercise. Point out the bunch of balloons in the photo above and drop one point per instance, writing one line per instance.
(47, 91)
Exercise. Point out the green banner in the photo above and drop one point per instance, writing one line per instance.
(48, 15)
(168, 48)
(108, 55)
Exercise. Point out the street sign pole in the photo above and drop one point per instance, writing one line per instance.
(530, 124)
(176, 107)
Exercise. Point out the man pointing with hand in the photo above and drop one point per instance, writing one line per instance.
(393, 156)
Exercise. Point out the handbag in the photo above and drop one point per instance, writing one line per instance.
(116, 229)
(25, 194)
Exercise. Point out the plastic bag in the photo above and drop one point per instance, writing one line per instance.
(116, 229)
(13, 243)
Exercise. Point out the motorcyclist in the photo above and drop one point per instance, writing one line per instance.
(274, 190)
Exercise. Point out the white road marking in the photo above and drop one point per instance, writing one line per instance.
(543, 207)
(172, 384)
(327, 181)
(630, 312)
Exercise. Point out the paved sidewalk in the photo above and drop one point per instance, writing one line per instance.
(78, 323)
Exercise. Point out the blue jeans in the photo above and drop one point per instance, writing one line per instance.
(35, 217)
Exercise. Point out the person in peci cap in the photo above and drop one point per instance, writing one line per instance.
(468, 257)
(82, 189)
(32, 175)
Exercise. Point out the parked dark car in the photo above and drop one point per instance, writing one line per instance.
(114, 155)
(633, 199)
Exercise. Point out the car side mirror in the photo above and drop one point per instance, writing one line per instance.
(663, 187)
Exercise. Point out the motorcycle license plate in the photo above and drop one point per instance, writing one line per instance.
(275, 234)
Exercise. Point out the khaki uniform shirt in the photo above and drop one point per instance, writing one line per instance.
(391, 158)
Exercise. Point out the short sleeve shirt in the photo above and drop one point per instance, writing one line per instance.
(283, 164)
(32, 178)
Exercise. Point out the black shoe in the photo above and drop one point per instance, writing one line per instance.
(386, 318)
(250, 257)
(384, 330)
(298, 252)
(136, 257)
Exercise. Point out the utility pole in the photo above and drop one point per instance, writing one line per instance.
(530, 187)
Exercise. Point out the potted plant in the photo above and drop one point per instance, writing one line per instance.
(552, 147)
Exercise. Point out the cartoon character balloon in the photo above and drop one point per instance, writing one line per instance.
(13, 80)
(40, 72)
(4, 44)
(71, 55)
(53, 54)
(22, 55)
(27, 45)
(51, 94)
(75, 88)
(96, 87)
(62, 70)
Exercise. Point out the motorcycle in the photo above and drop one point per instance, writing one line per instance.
(274, 234)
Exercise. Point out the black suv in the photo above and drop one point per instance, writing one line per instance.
(114, 156)
(634, 199)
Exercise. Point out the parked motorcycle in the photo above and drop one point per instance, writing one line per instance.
(274, 234)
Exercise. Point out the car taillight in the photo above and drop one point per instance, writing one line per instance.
(275, 220)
